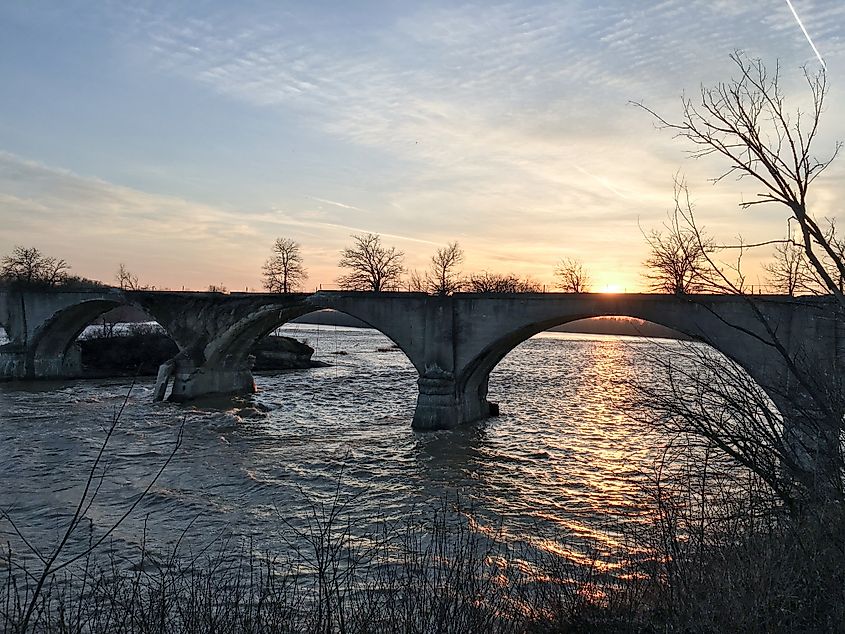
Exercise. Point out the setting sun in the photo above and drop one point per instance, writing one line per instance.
(612, 288)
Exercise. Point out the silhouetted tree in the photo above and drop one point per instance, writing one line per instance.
(830, 263)
(126, 280)
(496, 283)
(788, 272)
(746, 122)
(443, 277)
(28, 266)
(572, 276)
(372, 267)
(284, 271)
(416, 282)
(678, 257)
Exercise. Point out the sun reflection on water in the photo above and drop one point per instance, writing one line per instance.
(597, 456)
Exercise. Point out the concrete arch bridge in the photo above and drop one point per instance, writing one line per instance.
(453, 342)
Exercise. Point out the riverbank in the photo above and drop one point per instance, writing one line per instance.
(434, 571)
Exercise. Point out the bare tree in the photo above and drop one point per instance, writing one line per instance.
(497, 283)
(125, 279)
(830, 263)
(416, 282)
(678, 258)
(443, 277)
(572, 276)
(747, 122)
(788, 272)
(284, 271)
(28, 266)
(23, 265)
(372, 267)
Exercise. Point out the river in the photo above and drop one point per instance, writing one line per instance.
(562, 466)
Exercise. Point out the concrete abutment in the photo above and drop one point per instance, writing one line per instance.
(192, 381)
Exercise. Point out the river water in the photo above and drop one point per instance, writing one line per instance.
(562, 466)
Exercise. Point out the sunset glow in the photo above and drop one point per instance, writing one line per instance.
(612, 288)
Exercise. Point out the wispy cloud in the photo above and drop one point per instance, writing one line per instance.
(96, 224)
(165, 238)
(335, 203)
(353, 229)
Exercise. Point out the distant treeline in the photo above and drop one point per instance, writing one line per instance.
(596, 325)
(619, 326)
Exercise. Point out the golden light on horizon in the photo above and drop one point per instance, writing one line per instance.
(612, 288)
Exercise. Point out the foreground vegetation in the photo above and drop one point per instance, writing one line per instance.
(714, 553)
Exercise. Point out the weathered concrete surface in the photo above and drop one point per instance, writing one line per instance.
(215, 333)
(42, 327)
(455, 342)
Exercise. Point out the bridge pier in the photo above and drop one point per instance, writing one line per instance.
(444, 402)
(214, 333)
(193, 380)
(12, 363)
(17, 364)
(58, 366)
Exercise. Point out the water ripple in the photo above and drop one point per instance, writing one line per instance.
(563, 455)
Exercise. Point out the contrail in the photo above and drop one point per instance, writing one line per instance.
(601, 181)
(335, 203)
(333, 225)
(807, 35)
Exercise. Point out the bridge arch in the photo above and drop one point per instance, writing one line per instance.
(232, 348)
(473, 376)
(51, 351)
(52, 341)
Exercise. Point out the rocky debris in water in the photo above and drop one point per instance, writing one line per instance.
(250, 412)
(283, 353)
(143, 353)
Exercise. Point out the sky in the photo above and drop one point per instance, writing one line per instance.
(182, 138)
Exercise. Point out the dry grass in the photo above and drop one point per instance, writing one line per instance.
(725, 562)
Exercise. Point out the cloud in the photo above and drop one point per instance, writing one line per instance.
(335, 203)
(165, 239)
(505, 125)
(96, 224)
(474, 93)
